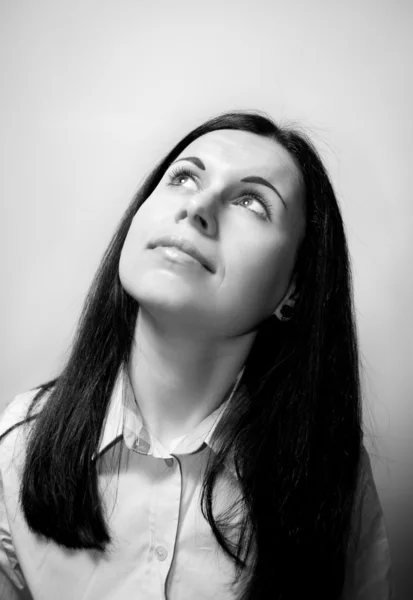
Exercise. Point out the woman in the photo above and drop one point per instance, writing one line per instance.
(204, 439)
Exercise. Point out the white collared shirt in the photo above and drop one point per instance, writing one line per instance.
(163, 547)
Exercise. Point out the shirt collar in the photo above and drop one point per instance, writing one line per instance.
(123, 420)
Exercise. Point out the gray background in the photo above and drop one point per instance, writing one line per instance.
(94, 92)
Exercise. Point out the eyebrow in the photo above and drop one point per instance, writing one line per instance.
(262, 181)
(193, 159)
(250, 179)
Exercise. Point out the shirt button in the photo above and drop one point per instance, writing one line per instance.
(169, 462)
(161, 553)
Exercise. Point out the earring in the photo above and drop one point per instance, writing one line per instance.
(285, 313)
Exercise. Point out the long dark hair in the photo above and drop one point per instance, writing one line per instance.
(295, 432)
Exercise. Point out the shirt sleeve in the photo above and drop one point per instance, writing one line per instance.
(12, 583)
(368, 575)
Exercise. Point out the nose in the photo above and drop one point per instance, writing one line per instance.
(201, 211)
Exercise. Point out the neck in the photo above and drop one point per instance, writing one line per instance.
(179, 381)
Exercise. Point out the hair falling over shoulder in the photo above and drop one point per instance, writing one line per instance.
(296, 432)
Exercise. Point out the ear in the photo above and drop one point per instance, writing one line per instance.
(288, 300)
(290, 296)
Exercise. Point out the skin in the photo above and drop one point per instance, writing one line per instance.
(195, 328)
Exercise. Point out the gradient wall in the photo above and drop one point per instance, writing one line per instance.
(93, 93)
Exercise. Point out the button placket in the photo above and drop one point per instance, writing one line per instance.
(166, 516)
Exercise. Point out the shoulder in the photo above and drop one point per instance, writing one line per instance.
(12, 445)
(15, 412)
(369, 563)
(367, 499)
(365, 473)
(15, 427)
(365, 463)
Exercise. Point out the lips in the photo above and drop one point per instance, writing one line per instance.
(185, 246)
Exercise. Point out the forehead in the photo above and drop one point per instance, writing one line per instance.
(244, 151)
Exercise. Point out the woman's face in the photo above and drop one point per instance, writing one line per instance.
(238, 197)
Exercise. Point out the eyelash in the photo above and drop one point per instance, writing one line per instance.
(180, 172)
(186, 172)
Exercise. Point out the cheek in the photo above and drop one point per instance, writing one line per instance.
(140, 233)
(131, 253)
(258, 278)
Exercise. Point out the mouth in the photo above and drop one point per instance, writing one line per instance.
(179, 248)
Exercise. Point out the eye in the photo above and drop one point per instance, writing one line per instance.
(252, 195)
(180, 176)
